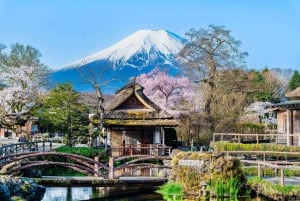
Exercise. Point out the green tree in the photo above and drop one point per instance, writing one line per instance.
(229, 99)
(20, 55)
(264, 86)
(63, 111)
(206, 53)
(294, 81)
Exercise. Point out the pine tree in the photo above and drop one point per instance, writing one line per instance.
(63, 112)
(294, 81)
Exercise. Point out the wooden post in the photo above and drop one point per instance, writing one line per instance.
(44, 148)
(96, 166)
(258, 171)
(292, 129)
(130, 150)
(214, 137)
(257, 140)
(276, 169)
(36, 146)
(288, 127)
(111, 168)
(281, 177)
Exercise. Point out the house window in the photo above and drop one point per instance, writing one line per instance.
(34, 129)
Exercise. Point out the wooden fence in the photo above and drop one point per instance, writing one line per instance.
(288, 160)
(278, 138)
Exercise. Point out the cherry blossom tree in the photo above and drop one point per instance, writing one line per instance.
(19, 95)
(21, 78)
(174, 95)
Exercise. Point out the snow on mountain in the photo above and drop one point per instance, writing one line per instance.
(138, 53)
(144, 43)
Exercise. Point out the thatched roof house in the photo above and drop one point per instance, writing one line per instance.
(288, 117)
(131, 118)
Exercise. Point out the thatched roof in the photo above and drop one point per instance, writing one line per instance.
(135, 90)
(130, 107)
(293, 95)
(148, 122)
(90, 99)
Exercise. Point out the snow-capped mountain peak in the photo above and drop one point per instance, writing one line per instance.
(141, 45)
(138, 53)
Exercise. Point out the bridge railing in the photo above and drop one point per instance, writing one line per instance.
(141, 149)
(25, 147)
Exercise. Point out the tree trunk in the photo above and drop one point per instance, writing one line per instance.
(99, 110)
(18, 130)
(211, 88)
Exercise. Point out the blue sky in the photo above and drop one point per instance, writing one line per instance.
(67, 30)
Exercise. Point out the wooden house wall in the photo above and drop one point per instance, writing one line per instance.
(131, 103)
(116, 142)
(282, 121)
(281, 116)
(132, 137)
(296, 121)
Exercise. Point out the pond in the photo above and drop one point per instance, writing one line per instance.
(120, 193)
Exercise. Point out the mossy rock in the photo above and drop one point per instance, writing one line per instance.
(212, 167)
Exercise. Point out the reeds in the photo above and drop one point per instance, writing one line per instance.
(224, 188)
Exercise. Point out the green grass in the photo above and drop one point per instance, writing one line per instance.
(171, 191)
(83, 151)
(229, 146)
(271, 189)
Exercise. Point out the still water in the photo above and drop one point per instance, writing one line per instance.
(101, 194)
(109, 194)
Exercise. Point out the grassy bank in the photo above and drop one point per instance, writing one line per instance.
(229, 146)
(274, 191)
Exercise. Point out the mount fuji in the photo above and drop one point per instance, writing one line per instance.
(114, 66)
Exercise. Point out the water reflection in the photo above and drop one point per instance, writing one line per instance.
(101, 194)
(112, 193)
(67, 193)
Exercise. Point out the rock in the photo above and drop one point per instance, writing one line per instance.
(194, 176)
(4, 193)
(25, 188)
